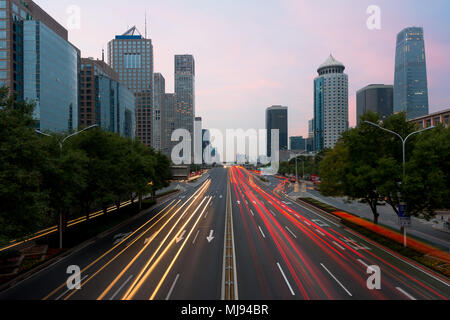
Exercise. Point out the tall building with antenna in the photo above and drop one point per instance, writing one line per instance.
(131, 56)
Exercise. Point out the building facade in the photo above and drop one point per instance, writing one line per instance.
(330, 104)
(378, 98)
(104, 101)
(410, 79)
(185, 92)
(433, 119)
(159, 90)
(50, 69)
(297, 143)
(277, 118)
(131, 56)
(169, 124)
(13, 13)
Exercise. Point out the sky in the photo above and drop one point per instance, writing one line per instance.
(252, 54)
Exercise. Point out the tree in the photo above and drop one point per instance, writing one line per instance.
(354, 168)
(23, 202)
(427, 185)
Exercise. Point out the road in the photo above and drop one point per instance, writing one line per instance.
(229, 236)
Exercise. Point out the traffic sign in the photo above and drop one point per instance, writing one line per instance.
(404, 221)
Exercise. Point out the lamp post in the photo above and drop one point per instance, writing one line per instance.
(404, 140)
(61, 143)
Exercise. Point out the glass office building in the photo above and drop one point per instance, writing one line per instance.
(185, 92)
(169, 124)
(12, 15)
(277, 118)
(410, 79)
(131, 56)
(51, 67)
(378, 98)
(103, 100)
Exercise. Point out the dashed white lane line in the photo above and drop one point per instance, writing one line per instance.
(338, 245)
(65, 292)
(121, 287)
(252, 212)
(262, 232)
(195, 238)
(309, 224)
(342, 286)
(405, 293)
(363, 263)
(273, 213)
(172, 287)
(323, 234)
(291, 232)
(285, 279)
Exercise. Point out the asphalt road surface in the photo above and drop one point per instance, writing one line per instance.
(229, 236)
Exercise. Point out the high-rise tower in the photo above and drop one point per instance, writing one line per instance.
(410, 79)
(131, 56)
(330, 104)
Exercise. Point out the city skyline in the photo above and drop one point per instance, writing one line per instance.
(268, 63)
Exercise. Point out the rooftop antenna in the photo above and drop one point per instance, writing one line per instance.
(145, 24)
(103, 55)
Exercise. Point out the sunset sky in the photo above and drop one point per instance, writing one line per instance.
(251, 54)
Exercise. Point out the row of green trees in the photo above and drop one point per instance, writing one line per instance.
(311, 165)
(93, 170)
(367, 165)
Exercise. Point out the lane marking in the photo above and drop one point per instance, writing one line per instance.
(323, 234)
(405, 293)
(309, 224)
(273, 213)
(262, 232)
(363, 263)
(338, 245)
(206, 214)
(348, 292)
(121, 287)
(252, 212)
(285, 279)
(198, 231)
(64, 293)
(291, 232)
(320, 223)
(172, 287)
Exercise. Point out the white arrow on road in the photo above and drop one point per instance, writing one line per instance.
(149, 239)
(238, 202)
(210, 237)
(181, 237)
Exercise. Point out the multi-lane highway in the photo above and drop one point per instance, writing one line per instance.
(231, 237)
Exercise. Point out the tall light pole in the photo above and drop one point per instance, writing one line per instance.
(61, 143)
(404, 140)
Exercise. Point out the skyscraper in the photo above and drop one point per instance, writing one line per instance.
(12, 15)
(410, 79)
(378, 98)
(131, 56)
(168, 125)
(277, 118)
(330, 103)
(104, 101)
(159, 90)
(50, 77)
(185, 92)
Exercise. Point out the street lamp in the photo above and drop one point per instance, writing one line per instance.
(61, 143)
(404, 140)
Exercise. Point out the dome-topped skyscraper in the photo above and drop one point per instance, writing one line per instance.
(330, 103)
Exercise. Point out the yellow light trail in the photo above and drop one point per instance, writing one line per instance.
(123, 250)
(111, 285)
(137, 283)
(114, 247)
(178, 253)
